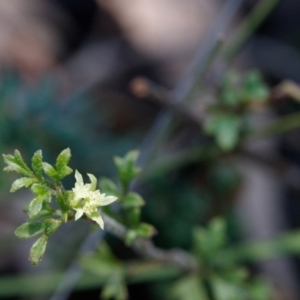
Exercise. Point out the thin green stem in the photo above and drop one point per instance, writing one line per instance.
(277, 127)
(248, 27)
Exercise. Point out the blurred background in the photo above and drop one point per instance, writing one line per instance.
(70, 76)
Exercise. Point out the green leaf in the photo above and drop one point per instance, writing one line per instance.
(252, 80)
(225, 290)
(50, 226)
(108, 187)
(211, 126)
(22, 182)
(61, 163)
(115, 289)
(189, 288)
(230, 97)
(217, 232)
(39, 189)
(131, 235)
(133, 215)
(16, 163)
(142, 230)
(145, 230)
(50, 171)
(63, 200)
(208, 242)
(133, 200)
(104, 252)
(126, 168)
(35, 206)
(237, 275)
(29, 229)
(227, 132)
(63, 158)
(260, 289)
(38, 249)
(43, 195)
(64, 171)
(37, 162)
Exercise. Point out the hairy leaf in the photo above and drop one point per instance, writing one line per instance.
(29, 229)
(50, 171)
(61, 163)
(37, 162)
(35, 206)
(50, 226)
(126, 167)
(22, 182)
(38, 249)
(15, 163)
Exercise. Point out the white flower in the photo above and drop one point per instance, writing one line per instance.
(87, 199)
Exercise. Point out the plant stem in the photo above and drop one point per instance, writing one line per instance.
(248, 27)
(146, 248)
(277, 127)
(204, 56)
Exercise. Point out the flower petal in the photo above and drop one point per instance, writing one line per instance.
(79, 179)
(97, 218)
(106, 200)
(93, 182)
(79, 213)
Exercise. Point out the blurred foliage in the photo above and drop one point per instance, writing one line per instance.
(187, 192)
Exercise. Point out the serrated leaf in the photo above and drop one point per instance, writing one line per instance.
(29, 229)
(37, 162)
(19, 160)
(64, 171)
(35, 206)
(16, 164)
(108, 187)
(50, 226)
(39, 189)
(50, 171)
(41, 192)
(133, 200)
(126, 167)
(63, 158)
(22, 182)
(11, 164)
(62, 162)
(38, 249)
